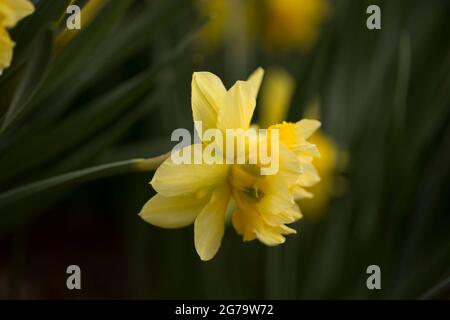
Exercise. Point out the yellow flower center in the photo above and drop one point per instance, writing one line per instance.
(287, 133)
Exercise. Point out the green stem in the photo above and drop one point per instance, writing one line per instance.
(83, 175)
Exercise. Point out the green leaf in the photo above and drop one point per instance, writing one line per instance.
(47, 13)
(37, 148)
(73, 62)
(52, 142)
(34, 73)
(103, 44)
(105, 139)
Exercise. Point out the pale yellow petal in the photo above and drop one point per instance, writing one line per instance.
(306, 149)
(306, 127)
(283, 229)
(238, 107)
(255, 80)
(244, 224)
(208, 93)
(294, 212)
(300, 193)
(269, 236)
(290, 167)
(289, 216)
(11, 11)
(209, 225)
(172, 179)
(309, 176)
(172, 212)
(277, 197)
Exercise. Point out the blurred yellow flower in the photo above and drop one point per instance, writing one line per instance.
(294, 23)
(202, 193)
(277, 93)
(11, 11)
(283, 24)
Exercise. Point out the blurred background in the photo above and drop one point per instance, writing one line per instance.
(116, 89)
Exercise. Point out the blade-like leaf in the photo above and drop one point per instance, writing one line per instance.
(36, 149)
(47, 13)
(34, 73)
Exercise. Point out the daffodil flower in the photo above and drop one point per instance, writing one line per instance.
(202, 193)
(11, 11)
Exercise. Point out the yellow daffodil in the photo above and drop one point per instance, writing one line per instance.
(277, 94)
(11, 11)
(202, 193)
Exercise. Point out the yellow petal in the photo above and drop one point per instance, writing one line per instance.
(277, 197)
(290, 167)
(270, 236)
(255, 80)
(290, 215)
(173, 179)
(172, 212)
(210, 224)
(306, 149)
(306, 127)
(6, 49)
(276, 97)
(300, 193)
(238, 107)
(294, 212)
(243, 224)
(208, 93)
(309, 176)
(11, 11)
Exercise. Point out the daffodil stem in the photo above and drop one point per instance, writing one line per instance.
(83, 175)
(151, 164)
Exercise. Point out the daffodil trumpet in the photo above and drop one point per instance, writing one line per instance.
(202, 191)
